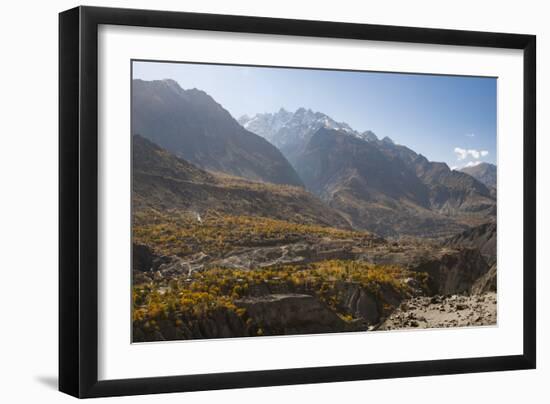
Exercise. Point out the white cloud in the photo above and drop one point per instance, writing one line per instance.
(472, 163)
(470, 134)
(462, 154)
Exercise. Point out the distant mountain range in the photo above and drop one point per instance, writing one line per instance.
(354, 179)
(389, 189)
(484, 172)
(193, 126)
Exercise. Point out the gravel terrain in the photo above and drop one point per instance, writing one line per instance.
(444, 311)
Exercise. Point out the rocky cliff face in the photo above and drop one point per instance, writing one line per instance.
(486, 282)
(454, 272)
(482, 237)
(287, 314)
(448, 270)
(219, 324)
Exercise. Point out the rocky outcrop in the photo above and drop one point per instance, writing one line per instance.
(454, 272)
(482, 237)
(359, 303)
(449, 270)
(144, 259)
(285, 314)
(272, 314)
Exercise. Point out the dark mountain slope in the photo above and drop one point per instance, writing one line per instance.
(482, 237)
(332, 158)
(191, 125)
(376, 191)
(164, 182)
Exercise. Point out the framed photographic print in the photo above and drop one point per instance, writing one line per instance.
(251, 201)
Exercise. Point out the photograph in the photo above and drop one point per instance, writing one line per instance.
(273, 200)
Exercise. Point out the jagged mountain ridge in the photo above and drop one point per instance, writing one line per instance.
(449, 191)
(193, 126)
(380, 186)
(483, 172)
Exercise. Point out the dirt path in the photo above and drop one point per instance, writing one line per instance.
(440, 311)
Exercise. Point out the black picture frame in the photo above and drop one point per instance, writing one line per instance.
(78, 201)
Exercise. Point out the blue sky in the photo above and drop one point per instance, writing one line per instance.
(446, 118)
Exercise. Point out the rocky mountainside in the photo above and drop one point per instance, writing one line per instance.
(162, 181)
(193, 126)
(387, 188)
(453, 193)
(484, 172)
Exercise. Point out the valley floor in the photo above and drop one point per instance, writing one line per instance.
(237, 276)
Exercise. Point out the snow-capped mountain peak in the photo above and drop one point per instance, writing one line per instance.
(369, 136)
(284, 128)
